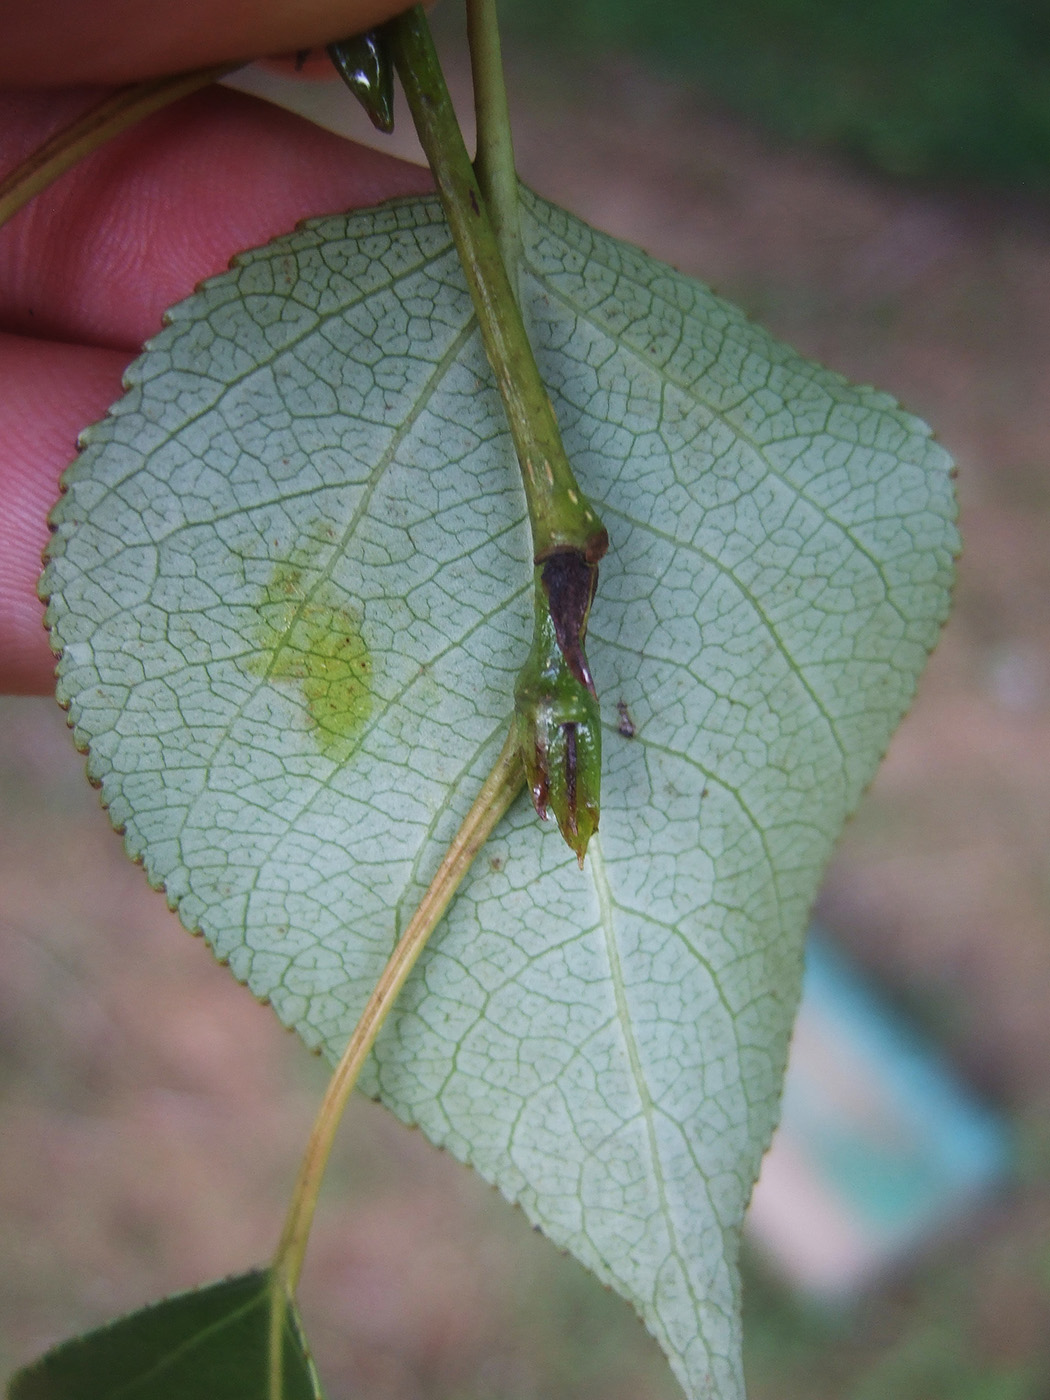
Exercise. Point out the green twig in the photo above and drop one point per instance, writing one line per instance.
(494, 153)
(562, 519)
(555, 706)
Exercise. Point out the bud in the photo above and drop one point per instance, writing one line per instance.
(365, 65)
(559, 734)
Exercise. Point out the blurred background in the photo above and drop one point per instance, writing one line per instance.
(873, 183)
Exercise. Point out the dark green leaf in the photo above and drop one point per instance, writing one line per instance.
(212, 1343)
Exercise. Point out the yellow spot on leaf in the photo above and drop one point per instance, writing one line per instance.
(311, 641)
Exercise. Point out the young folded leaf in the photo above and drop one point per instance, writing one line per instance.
(558, 724)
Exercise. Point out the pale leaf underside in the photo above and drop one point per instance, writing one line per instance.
(291, 587)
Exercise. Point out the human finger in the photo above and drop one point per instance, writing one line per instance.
(50, 392)
(60, 42)
(100, 255)
(88, 269)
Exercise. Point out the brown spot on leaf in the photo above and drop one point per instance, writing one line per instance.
(626, 724)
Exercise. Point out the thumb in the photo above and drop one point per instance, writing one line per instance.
(52, 42)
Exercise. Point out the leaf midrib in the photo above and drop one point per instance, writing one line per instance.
(606, 910)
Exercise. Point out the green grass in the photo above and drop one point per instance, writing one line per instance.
(919, 88)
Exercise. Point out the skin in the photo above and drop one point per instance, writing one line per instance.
(88, 268)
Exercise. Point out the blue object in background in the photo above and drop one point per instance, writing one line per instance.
(880, 1147)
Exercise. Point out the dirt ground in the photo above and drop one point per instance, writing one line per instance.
(152, 1114)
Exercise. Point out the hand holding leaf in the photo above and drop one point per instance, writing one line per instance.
(316, 443)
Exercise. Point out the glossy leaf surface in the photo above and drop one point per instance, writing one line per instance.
(292, 589)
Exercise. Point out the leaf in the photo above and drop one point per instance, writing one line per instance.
(211, 1344)
(291, 587)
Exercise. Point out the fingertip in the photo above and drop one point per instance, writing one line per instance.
(142, 221)
(60, 42)
(51, 392)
